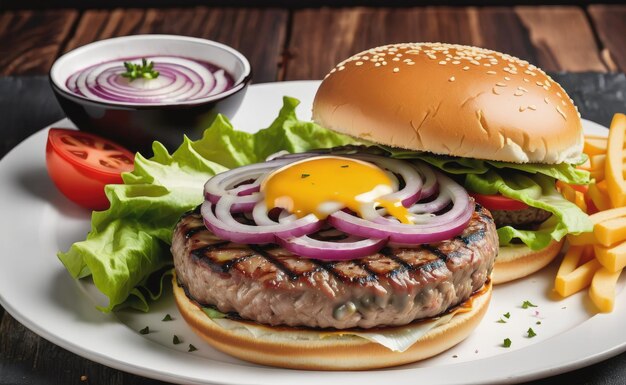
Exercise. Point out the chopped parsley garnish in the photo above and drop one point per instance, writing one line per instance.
(501, 321)
(305, 176)
(506, 343)
(531, 333)
(144, 70)
(507, 315)
(176, 340)
(145, 330)
(538, 322)
(192, 348)
(527, 304)
(167, 318)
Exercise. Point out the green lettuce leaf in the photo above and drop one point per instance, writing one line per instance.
(536, 190)
(565, 172)
(129, 242)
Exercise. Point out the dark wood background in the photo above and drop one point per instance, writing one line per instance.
(287, 44)
(290, 44)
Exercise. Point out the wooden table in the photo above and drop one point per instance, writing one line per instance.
(295, 44)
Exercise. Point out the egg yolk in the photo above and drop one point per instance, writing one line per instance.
(323, 185)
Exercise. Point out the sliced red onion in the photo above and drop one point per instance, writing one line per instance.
(224, 183)
(225, 226)
(412, 179)
(430, 180)
(433, 206)
(440, 228)
(180, 79)
(238, 191)
(333, 251)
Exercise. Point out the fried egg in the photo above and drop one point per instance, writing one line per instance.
(325, 184)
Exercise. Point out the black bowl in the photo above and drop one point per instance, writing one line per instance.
(136, 126)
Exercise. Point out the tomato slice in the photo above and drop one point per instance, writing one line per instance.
(498, 202)
(80, 164)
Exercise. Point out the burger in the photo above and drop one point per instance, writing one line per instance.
(375, 255)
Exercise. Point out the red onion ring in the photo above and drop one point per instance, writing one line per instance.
(179, 80)
(238, 191)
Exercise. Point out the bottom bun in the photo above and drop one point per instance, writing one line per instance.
(326, 350)
(517, 261)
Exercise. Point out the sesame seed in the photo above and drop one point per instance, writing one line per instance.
(384, 63)
(487, 65)
(333, 70)
(546, 88)
(559, 95)
(561, 112)
(377, 65)
(491, 72)
(495, 90)
(341, 68)
(474, 62)
(521, 108)
(410, 63)
(399, 55)
(433, 57)
(456, 62)
(526, 80)
(465, 68)
(522, 89)
(563, 102)
(396, 69)
(532, 107)
(365, 58)
(507, 78)
(396, 59)
(518, 93)
(326, 77)
(442, 62)
(546, 100)
(359, 63)
(500, 84)
(451, 79)
(527, 72)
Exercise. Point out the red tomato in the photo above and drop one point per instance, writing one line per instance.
(498, 202)
(81, 164)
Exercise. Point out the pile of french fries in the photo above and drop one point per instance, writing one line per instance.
(596, 259)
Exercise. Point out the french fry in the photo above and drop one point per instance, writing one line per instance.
(602, 290)
(600, 199)
(595, 146)
(577, 280)
(580, 201)
(602, 186)
(570, 260)
(616, 184)
(611, 231)
(597, 161)
(612, 258)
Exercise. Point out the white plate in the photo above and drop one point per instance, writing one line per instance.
(35, 288)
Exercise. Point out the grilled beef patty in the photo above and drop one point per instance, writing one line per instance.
(525, 217)
(269, 285)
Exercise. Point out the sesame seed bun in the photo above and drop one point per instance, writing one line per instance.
(518, 261)
(314, 350)
(451, 100)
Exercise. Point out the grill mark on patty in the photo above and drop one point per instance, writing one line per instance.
(435, 250)
(475, 236)
(190, 232)
(264, 251)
